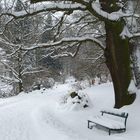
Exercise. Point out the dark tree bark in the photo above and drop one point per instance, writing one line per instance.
(117, 56)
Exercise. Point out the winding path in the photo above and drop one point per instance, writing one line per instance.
(30, 117)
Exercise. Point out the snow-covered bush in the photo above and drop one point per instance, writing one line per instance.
(75, 101)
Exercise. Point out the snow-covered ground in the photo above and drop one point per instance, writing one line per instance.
(40, 116)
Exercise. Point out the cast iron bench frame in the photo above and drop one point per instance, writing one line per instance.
(122, 114)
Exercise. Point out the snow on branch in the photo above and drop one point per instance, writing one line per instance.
(9, 79)
(12, 70)
(66, 40)
(32, 72)
(114, 16)
(125, 33)
(43, 8)
(135, 35)
(67, 53)
(8, 43)
(97, 58)
(84, 2)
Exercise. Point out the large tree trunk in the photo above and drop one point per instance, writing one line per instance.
(117, 56)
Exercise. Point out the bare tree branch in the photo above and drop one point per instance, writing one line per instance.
(66, 40)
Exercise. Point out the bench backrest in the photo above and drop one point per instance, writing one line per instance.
(116, 113)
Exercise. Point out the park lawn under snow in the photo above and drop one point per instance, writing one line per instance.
(40, 116)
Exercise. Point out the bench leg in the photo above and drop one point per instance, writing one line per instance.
(109, 131)
(89, 125)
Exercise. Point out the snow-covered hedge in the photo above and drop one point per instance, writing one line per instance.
(74, 101)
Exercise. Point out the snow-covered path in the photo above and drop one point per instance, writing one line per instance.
(16, 120)
(37, 116)
(30, 117)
